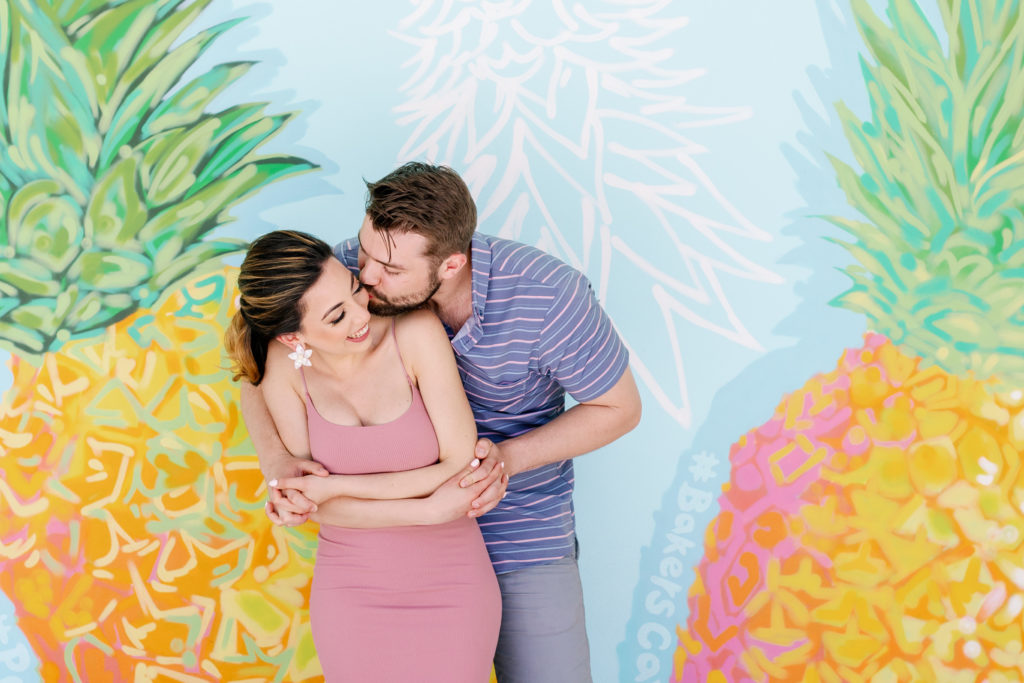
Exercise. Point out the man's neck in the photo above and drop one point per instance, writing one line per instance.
(453, 301)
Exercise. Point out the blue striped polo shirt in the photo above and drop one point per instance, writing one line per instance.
(536, 333)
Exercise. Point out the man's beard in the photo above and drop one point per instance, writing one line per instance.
(384, 307)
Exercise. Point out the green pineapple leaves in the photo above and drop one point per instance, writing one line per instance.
(113, 172)
(940, 185)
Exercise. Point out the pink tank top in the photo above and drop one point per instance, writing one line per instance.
(405, 443)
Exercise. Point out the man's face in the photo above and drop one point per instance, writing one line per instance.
(395, 270)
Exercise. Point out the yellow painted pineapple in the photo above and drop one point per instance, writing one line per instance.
(132, 537)
(873, 529)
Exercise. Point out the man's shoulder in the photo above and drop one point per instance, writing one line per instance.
(347, 251)
(511, 259)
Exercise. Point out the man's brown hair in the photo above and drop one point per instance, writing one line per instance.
(430, 200)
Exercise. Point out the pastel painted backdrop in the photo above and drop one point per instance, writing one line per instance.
(805, 219)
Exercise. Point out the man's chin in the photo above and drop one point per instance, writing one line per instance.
(388, 310)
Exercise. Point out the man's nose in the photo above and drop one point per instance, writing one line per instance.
(369, 273)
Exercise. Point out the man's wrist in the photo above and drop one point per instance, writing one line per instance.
(506, 453)
(269, 461)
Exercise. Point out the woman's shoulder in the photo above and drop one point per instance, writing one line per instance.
(278, 365)
(422, 321)
(419, 332)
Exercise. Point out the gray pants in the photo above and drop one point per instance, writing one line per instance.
(543, 634)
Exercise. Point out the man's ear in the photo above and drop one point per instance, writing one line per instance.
(291, 339)
(451, 266)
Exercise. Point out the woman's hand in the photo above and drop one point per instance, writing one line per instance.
(316, 488)
(288, 507)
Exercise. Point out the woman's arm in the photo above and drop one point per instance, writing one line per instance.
(282, 393)
(449, 502)
(428, 355)
(356, 513)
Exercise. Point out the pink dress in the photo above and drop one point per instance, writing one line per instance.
(411, 603)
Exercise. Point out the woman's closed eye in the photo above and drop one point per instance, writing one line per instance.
(359, 288)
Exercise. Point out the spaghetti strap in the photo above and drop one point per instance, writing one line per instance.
(399, 352)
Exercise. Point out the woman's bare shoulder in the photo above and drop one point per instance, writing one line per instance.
(420, 334)
(419, 326)
(280, 371)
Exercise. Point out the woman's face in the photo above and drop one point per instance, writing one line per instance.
(336, 319)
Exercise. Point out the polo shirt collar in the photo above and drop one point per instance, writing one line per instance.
(480, 263)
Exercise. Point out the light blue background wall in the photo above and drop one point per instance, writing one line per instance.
(722, 298)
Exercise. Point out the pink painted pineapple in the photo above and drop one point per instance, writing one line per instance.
(872, 529)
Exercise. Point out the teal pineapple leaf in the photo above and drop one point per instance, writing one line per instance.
(937, 174)
(114, 171)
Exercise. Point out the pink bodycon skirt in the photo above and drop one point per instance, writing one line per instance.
(405, 604)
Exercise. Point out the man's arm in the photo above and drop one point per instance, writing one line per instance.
(577, 347)
(583, 428)
(275, 460)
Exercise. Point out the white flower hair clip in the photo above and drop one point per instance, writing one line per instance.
(301, 356)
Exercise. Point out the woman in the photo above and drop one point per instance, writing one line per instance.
(378, 402)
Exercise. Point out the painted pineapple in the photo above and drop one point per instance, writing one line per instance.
(132, 537)
(872, 530)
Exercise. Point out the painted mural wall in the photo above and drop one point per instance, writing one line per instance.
(803, 218)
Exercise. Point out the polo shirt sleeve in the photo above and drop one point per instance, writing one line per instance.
(579, 347)
(348, 253)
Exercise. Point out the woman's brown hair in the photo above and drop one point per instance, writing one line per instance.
(278, 270)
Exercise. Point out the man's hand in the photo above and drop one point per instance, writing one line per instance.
(452, 500)
(289, 506)
(490, 457)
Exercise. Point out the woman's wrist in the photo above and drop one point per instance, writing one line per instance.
(338, 483)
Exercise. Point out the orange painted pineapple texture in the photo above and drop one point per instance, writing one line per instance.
(133, 540)
(872, 530)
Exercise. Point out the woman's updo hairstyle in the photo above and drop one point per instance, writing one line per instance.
(278, 270)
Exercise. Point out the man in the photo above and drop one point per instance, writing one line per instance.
(526, 328)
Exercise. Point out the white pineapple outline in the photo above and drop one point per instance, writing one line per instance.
(511, 92)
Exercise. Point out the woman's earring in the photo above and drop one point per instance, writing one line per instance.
(301, 356)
